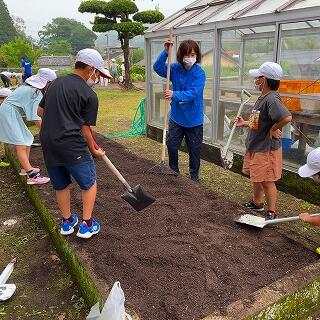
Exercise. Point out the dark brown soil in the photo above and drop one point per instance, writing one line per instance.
(183, 257)
(44, 288)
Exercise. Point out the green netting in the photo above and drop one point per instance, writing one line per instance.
(138, 125)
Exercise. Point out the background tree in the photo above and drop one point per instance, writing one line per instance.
(20, 26)
(7, 29)
(76, 33)
(60, 48)
(118, 15)
(136, 55)
(11, 52)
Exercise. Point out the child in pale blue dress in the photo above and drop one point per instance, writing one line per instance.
(24, 101)
(4, 93)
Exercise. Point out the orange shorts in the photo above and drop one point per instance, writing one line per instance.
(263, 166)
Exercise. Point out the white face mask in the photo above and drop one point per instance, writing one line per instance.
(257, 87)
(189, 62)
(91, 82)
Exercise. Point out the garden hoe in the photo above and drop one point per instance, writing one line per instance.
(226, 156)
(162, 167)
(136, 197)
(259, 222)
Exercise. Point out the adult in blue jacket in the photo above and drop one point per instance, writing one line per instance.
(186, 115)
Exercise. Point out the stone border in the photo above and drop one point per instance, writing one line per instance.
(291, 182)
(275, 301)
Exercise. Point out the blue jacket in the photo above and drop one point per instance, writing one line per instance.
(187, 87)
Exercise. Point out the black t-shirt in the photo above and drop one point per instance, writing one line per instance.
(68, 104)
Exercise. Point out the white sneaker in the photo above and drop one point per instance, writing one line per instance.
(23, 172)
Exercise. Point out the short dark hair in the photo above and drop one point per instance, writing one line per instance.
(80, 65)
(273, 84)
(186, 47)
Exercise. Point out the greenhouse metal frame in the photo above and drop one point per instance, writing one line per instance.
(250, 20)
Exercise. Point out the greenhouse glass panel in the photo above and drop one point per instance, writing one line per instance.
(300, 49)
(304, 4)
(202, 16)
(314, 23)
(205, 42)
(156, 48)
(229, 11)
(158, 101)
(179, 19)
(239, 54)
(267, 6)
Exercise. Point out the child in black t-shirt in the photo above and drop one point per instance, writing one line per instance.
(68, 109)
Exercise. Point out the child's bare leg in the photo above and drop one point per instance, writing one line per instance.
(88, 200)
(23, 157)
(258, 192)
(270, 191)
(63, 199)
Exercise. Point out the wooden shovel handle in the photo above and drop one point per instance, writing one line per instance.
(167, 101)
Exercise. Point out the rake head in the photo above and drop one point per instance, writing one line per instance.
(162, 168)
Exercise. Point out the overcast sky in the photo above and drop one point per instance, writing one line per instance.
(37, 13)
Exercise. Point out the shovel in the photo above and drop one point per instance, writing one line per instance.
(260, 222)
(136, 196)
(7, 290)
(227, 157)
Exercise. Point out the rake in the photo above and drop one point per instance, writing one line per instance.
(162, 167)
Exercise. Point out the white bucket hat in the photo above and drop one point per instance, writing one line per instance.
(270, 70)
(93, 58)
(312, 166)
(4, 92)
(43, 76)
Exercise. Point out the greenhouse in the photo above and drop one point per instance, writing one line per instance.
(235, 36)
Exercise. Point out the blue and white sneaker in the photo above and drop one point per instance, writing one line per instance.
(86, 232)
(67, 227)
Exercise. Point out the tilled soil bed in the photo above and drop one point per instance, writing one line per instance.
(183, 257)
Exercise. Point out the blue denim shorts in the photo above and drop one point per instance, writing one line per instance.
(84, 173)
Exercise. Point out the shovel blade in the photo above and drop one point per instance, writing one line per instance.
(251, 220)
(226, 158)
(138, 198)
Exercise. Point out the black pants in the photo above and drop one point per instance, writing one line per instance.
(5, 80)
(25, 77)
(193, 138)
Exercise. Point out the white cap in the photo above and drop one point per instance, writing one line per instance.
(93, 58)
(113, 60)
(312, 166)
(270, 70)
(4, 92)
(43, 76)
